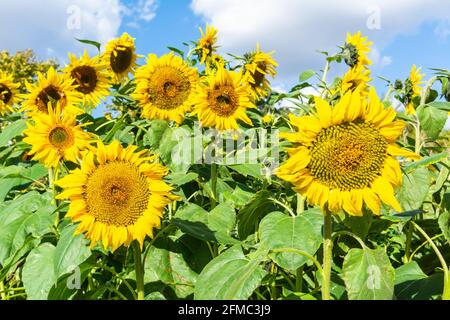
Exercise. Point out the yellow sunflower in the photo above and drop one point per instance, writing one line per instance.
(217, 61)
(222, 99)
(9, 93)
(354, 78)
(206, 44)
(412, 88)
(356, 49)
(90, 77)
(120, 57)
(118, 195)
(165, 87)
(259, 65)
(54, 136)
(54, 88)
(346, 155)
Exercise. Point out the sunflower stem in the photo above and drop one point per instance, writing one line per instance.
(213, 185)
(139, 267)
(327, 254)
(423, 100)
(324, 78)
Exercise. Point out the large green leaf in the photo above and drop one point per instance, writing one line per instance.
(414, 189)
(432, 120)
(426, 161)
(229, 276)
(444, 224)
(250, 215)
(302, 232)
(411, 283)
(12, 131)
(368, 274)
(12, 176)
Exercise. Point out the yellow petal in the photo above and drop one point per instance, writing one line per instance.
(395, 150)
(385, 191)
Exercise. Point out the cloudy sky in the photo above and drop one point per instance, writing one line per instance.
(404, 32)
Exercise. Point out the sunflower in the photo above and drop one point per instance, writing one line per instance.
(54, 88)
(165, 87)
(259, 65)
(206, 44)
(346, 155)
(354, 78)
(268, 119)
(117, 196)
(222, 99)
(9, 93)
(120, 57)
(355, 50)
(412, 88)
(90, 77)
(54, 136)
(217, 61)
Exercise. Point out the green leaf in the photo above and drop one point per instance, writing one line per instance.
(441, 105)
(180, 178)
(425, 161)
(38, 274)
(414, 189)
(250, 215)
(155, 133)
(432, 120)
(444, 224)
(368, 274)
(165, 263)
(360, 226)
(253, 170)
(11, 131)
(305, 75)
(92, 43)
(302, 232)
(411, 283)
(13, 176)
(230, 276)
(181, 53)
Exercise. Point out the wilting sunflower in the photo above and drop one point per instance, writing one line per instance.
(54, 136)
(117, 196)
(346, 155)
(354, 78)
(355, 50)
(54, 88)
(206, 44)
(260, 64)
(9, 93)
(90, 76)
(412, 88)
(120, 57)
(165, 87)
(222, 99)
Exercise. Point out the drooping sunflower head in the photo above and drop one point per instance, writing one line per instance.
(223, 98)
(9, 93)
(355, 78)
(206, 45)
(217, 61)
(165, 87)
(258, 66)
(120, 56)
(345, 155)
(117, 196)
(54, 136)
(52, 88)
(90, 76)
(355, 50)
(412, 88)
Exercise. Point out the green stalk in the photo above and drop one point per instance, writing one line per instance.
(213, 185)
(139, 267)
(327, 255)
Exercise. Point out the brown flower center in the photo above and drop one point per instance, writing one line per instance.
(85, 78)
(5, 93)
(121, 59)
(223, 100)
(50, 94)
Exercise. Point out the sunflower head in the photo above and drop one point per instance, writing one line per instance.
(165, 87)
(206, 45)
(268, 119)
(117, 196)
(90, 77)
(355, 50)
(345, 155)
(9, 93)
(54, 136)
(120, 57)
(217, 61)
(223, 98)
(258, 66)
(356, 78)
(412, 88)
(53, 88)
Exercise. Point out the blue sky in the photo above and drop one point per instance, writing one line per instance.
(406, 32)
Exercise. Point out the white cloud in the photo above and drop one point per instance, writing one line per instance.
(50, 27)
(139, 10)
(296, 29)
(386, 61)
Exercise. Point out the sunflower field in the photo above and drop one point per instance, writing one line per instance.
(199, 181)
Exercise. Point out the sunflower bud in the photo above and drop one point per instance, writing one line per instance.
(350, 55)
(446, 90)
(398, 84)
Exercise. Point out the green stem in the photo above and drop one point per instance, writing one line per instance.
(300, 203)
(327, 255)
(284, 206)
(299, 280)
(343, 232)
(409, 234)
(423, 99)
(302, 253)
(139, 270)
(446, 292)
(2, 291)
(213, 185)
(324, 78)
(388, 93)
